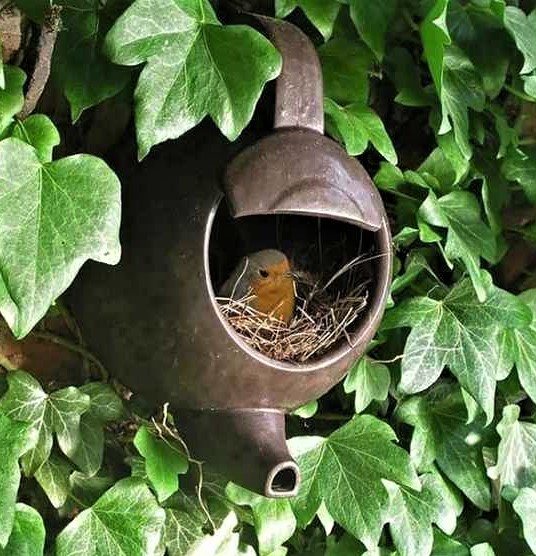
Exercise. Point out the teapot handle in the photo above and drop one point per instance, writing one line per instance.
(299, 87)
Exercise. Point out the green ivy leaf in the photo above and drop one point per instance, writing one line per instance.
(460, 332)
(345, 67)
(520, 166)
(124, 520)
(66, 211)
(53, 476)
(273, 518)
(195, 67)
(17, 439)
(516, 458)
(472, 26)
(372, 20)
(468, 238)
(38, 131)
(86, 77)
(163, 462)
(369, 380)
(105, 406)
(447, 546)
(321, 13)
(482, 549)
(442, 434)
(186, 528)
(11, 95)
(434, 36)
(58, 412)
(461, 89)
(356, 125)
(28, 535)
(306, 411)
(525, 507)
(411, 514)
(523, 31)
(407, 78)
(345, 471)
(519, 348)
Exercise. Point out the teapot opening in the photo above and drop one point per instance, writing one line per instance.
(334, 265)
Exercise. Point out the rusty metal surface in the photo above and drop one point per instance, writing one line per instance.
(302, 172)
(299, 88)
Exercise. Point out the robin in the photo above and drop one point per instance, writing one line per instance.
(266, 275)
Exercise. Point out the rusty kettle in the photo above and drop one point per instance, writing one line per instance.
(154, 320)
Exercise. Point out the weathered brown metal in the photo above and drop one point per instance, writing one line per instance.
(154, 320)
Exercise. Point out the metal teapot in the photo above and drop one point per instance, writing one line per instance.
(154, 320)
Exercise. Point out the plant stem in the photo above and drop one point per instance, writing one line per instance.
(519, 94)
(61, 341)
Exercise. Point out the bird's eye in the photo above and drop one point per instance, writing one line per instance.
(264, 273)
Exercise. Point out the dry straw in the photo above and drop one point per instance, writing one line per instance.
(325, 312)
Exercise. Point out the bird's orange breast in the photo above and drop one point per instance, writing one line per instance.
(275, 295)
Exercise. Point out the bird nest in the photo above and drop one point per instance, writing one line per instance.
(324, 315)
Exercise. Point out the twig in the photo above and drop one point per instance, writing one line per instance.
(6, 363)
(61, 341)
(41, 71)
(199, 464)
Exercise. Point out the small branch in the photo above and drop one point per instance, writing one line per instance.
(61, 341)
(41, 71)
(519, 94)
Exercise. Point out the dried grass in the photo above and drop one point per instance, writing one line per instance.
(326, 309)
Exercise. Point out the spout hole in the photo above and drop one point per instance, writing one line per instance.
(284, 482)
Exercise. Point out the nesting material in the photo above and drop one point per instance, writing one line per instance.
(325, 311)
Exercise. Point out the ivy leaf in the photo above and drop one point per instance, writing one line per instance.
(356, 125)
(345, 67)
(411, 515)
(85, 75)
(442, 434)
(53, 476)
(105, 406)
(372, 20)
(195, 67)
(407, 79)
(369, 380)
(456, 331)
(516, 458)
(28, 535)
(525, 507)
(520, 166)
(17, 439)
(307, 410)
(523, 31)
(468, 238)
(274, 521)
(434, 36)
(186, 528)
(102, 530)
(520, 348)
(11, 95)
(482, 549)
(163, 462)
(53, 217)
(186, 538)
(321, 13)
(58, 412)
(447, 546)
(38, 131)
(472, 26)
(345, 471)
(461, 89)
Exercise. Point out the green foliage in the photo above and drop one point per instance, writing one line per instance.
(195, 67)
(437, 97)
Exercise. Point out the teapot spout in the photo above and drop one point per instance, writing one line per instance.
(248, 446)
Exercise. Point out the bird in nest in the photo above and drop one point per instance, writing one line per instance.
(265, 279)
